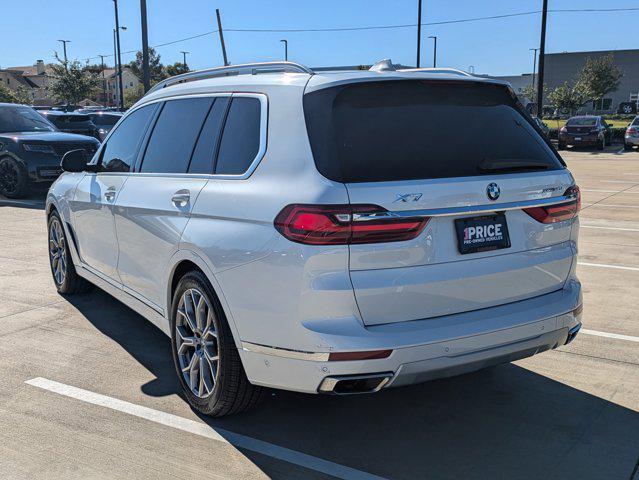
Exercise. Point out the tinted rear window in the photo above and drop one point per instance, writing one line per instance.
(635, 121)
(581, 122)
(106, 120)
(411, 129)
(241, 138)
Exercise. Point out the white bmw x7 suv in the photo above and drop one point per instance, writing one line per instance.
(335, 232)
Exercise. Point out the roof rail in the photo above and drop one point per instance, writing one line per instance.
(453, 71)
(232, 70)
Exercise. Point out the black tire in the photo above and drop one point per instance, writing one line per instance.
(627, 147)
(69, 283)
(232, 392)
(602, 144)
(14, 179)
(561, 146)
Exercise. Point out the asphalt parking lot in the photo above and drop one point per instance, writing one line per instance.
(88, 390)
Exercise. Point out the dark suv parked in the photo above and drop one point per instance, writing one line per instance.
(71, 122)
(585, 130)
(31, 149)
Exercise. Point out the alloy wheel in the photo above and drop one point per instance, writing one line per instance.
(8, 177)
(197, 343)
(57, 252)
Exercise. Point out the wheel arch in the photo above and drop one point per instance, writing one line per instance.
(184, 261)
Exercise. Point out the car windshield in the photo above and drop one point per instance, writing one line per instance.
(582, 122)
(23, 119)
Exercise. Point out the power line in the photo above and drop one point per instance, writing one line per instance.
(384, 27)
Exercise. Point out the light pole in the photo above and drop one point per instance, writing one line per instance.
(534, 50)
(146, 79)
(119, 59)
(116, 58)
(434, 51)
(64, 47)
(104, 99)
(184, 57)
(285, 49)
(419, 29)
(542, 52)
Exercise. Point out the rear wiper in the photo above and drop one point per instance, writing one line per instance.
(485, 166)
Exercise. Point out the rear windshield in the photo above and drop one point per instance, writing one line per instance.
(105, 119)
(581, 122)
(635, 121)
(71, 118)
(414, 129)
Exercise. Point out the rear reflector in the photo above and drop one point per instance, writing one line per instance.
(370, 355)
(559, 212)
(345, 224)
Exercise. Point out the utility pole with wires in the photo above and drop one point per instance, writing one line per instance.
(285, 42)
(419, 30)
(184, 62)
(542, 52)
(64, 46)
(146, 77)
(219, 29)
(119, 59)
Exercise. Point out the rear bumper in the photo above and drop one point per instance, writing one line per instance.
(585, 140)
(427, 349)
(634, 141)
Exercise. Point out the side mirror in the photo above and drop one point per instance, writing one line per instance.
(74, 161)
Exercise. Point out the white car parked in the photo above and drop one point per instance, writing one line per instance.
(334, 232)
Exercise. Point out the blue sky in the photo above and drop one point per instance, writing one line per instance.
(497, 47)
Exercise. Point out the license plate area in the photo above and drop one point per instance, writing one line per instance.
(481, 234)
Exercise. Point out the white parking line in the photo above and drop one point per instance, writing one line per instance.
(617, 336)
(605, 265)
(619, 181)
(203, 430)
(611, 228)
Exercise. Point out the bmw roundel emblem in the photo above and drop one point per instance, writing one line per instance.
(492, 191)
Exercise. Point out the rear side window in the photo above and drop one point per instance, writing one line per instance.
(241, 138)
(414, 129)
(206, 148)
(122, 146)
(635, 121)
(174, 135)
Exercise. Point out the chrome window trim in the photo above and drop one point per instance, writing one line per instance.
(466, 210)
(243, 176)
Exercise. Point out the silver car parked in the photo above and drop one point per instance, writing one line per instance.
(335, 232)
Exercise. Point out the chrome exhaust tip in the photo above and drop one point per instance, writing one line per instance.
(354, 384)
(572, 333)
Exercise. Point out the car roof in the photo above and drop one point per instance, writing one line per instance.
(303, 79)
(58, 113)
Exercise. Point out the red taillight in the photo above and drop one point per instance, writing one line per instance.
(632, 131)
(345, 224)
(560, 212)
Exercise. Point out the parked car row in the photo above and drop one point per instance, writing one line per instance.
(585, 130)
(31, 147)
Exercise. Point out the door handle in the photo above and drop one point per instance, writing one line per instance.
(109, 195)
(181, 198)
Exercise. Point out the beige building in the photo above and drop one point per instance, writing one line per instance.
(35, 78)
(110, 92)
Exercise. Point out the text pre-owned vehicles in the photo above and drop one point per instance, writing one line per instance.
(31, 149)
(585, 130)
(325, 233)
(104, 122)
(631, 137)
(71, 122)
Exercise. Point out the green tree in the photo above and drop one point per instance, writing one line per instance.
(71, 83)
(6, 95)
(567, 97)
(599, 77)
(156, 69)
(176, 69)
(22, 96)
(132, 95)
